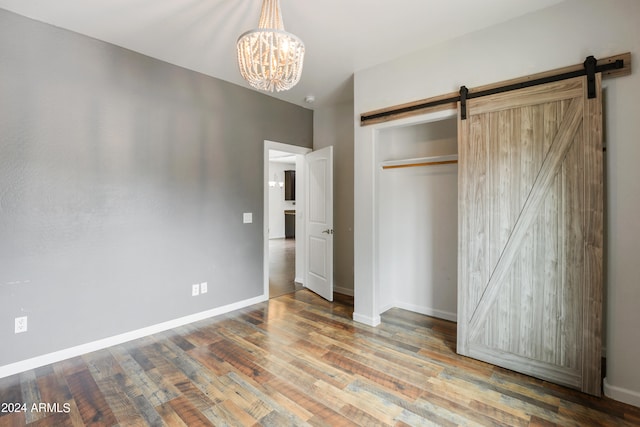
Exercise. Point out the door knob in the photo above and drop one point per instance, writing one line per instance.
(328, 231)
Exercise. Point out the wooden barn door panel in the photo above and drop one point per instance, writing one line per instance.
(530, 232)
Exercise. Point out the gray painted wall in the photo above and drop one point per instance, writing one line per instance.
(334, 126)
(123, 180)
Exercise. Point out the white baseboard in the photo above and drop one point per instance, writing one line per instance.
(428, 311)
(620, 394)
(57, 356)
(371, 321)
(387, 307)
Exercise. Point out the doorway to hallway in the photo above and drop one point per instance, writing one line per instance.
(283, 221)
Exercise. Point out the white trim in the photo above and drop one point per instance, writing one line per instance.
(57, 356)
(293, 149)
(620, 394)
(428, 311)
(371, 321)
(386, 307)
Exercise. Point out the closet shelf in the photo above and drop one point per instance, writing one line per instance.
(420, 161)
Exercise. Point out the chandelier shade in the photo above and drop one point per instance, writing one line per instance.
(269, 57)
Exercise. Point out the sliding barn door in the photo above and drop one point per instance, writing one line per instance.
(531, 232)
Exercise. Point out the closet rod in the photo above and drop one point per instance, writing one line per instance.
(413, 165)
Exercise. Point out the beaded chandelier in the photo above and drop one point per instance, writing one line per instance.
(269, 57)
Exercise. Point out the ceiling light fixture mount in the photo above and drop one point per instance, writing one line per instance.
(269, 57)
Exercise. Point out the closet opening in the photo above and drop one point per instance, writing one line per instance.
(416, 217)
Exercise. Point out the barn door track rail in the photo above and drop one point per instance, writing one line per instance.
(613, 66)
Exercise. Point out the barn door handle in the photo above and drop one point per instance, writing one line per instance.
(328, 231)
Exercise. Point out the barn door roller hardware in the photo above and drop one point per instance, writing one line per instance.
(464, 93)
(589, 68)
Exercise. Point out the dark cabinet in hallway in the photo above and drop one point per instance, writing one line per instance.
(289, 224)
(290, 185)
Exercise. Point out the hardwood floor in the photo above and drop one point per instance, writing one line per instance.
(297, 360)
(282, 267)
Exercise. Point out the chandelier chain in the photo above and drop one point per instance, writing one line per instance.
(270, 16)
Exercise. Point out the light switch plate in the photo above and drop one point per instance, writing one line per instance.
(247, 217)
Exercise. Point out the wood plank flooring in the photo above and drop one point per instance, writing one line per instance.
(282, 267)
(297, 360)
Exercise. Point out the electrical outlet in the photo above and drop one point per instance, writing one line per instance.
(195, 290)
(21, 324)
(204, 288)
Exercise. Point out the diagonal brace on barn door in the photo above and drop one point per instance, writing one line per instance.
(543, 182)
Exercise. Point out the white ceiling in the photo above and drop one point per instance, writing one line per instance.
(341, 36)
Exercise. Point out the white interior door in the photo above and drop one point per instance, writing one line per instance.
(319, 222)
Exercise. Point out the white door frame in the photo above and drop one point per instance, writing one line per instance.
(300, 177)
